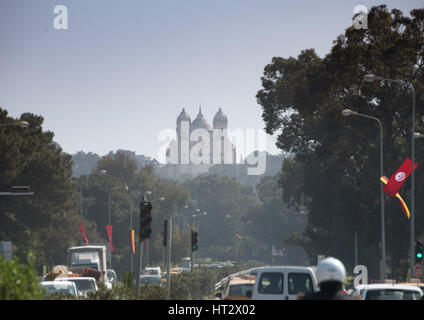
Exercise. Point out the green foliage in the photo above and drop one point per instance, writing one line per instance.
(45, 223)
(19, 281)
(336, 170)
(196, 285)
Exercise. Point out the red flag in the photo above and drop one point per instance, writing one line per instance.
(82, 230)
(109, 235)
(399, 177)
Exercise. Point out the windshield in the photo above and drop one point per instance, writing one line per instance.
(84, 285)
(392, 294)
(151, 271)
(147, 280)
(90, 265)
(55, 288)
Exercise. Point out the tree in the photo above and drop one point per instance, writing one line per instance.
(337, 158)
(226, 202)
(45, 223)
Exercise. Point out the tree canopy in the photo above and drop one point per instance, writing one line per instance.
(335, 172)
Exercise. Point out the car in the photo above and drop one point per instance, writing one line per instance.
(416, 284)
(238, 288)
(111, 276)
(53, 287)
(84, 284)
(151, 279)
(385, 291)
(283, 282)
(152, 271)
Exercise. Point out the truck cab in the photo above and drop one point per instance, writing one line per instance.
(283, 282)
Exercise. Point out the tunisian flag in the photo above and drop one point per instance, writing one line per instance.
(399, 177)
(82, 230)
(109, 235)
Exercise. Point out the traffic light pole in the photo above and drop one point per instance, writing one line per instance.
(144, 233)
(140, 260)
(191, 250)
(168, 274)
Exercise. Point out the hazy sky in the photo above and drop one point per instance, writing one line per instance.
(123, 70)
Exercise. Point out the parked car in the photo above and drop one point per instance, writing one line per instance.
(238, 288)
(283, 282)
(386, 291)
(111, 276)
(152, 271)
(84, 285)
(52, 287)
(151, 279)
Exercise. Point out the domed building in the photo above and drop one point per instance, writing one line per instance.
(197, 147)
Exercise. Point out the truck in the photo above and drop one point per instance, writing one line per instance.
(91, 256)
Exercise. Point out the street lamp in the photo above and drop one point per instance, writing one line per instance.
(346, 113)
(371, 78)
(194, 216)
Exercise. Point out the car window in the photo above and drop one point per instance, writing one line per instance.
(271, 283)
(392, 294)
(51, 289)
(300, 282)
(240, 290)
(84, 285)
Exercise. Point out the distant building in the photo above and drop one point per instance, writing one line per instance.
(198, 145)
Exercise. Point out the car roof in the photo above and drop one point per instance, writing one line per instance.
(377, 286)
(55, 283)
(277, 268)
(74, 278)
(238, 280)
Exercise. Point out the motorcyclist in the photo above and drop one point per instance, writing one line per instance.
(330, 274)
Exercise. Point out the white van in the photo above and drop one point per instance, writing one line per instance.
(283, 282)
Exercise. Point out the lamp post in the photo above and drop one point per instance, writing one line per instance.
(140, 250)
(371, 78)
(346, 113)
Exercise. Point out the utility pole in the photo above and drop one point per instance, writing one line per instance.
(168, 274)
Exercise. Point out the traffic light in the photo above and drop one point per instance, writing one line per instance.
(165, 233)
(194, 240)
(419, 251)
(145, 220)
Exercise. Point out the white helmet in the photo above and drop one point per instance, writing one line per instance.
(330, 269)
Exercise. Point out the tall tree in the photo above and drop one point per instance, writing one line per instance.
(45, 223)
(337, 159)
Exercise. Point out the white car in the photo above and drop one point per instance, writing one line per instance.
(384, 291)
(84, 284)
(52, 287)
(153, 271)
